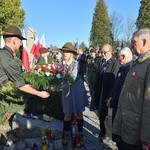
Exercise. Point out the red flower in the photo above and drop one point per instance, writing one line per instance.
(37, 67)
(45, 69)
(53, 68)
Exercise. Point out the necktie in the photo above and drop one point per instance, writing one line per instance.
(104, 64)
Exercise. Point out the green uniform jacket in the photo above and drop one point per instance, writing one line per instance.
(132, 121)
(10, 69)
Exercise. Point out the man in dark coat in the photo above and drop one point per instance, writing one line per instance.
(82, 63)
(103, 84)
(125, 58)
(132, 120)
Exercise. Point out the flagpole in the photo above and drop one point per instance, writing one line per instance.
(2, 43)
(0, 37)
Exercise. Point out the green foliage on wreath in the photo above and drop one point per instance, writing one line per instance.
(36, 81)
(47, 82)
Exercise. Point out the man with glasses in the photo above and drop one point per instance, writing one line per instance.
(10, 69)
(105, 78)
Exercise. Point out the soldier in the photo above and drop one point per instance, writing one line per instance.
(9, 68)
(91, 69)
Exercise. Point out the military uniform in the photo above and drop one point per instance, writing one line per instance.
(10, 69)
(91, 73)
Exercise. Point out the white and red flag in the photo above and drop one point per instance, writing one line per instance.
(25, 56)
(41, 43)
(2, 43)
(34, 49)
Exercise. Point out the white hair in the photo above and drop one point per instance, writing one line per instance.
(142, 33)
(127, 53)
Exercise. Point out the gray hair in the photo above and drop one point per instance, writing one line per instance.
(142, 33)
(127, 53)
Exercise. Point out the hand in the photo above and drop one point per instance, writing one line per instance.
(44, 94)
(108, 103)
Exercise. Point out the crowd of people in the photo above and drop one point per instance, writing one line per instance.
(119, 83)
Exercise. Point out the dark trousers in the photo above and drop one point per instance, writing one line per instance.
(102, 125)
(114, 114)
(123, 145)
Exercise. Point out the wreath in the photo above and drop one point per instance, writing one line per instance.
(48, 77)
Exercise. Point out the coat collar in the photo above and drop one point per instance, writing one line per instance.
(6, 48)
(144, 56)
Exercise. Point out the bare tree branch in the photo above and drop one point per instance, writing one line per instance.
(116, 20)
(129, 28)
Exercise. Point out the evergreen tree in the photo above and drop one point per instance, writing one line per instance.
(100, 31)
(143, 20)
(83, 46)
(11, 13)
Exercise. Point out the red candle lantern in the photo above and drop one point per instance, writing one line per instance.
(49, 134)
(77, 140)
(74, 120)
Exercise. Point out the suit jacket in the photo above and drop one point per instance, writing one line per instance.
(103, 84)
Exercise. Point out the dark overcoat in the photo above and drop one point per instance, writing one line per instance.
(104, 82)
(115, 93)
